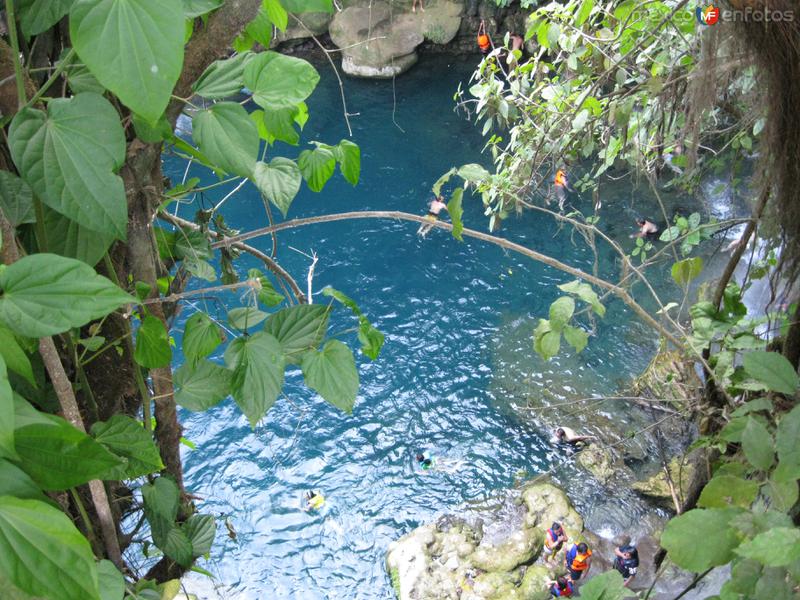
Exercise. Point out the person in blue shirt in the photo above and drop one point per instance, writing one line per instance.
(561, 588)
(626, 561)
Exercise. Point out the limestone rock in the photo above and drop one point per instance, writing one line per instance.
(534, 583)
(546, 503)
(315, 23)
(520, 548)
(656, 487)
(379, 39)
(600, 463)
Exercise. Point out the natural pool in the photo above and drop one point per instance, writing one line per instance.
(458, 319)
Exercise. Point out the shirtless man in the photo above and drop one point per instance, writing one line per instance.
(646, 228)
(568, 436)
(437, 205)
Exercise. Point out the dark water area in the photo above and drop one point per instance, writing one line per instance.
(458, 358)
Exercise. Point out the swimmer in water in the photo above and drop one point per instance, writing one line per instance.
(425, 461)
(314, 500)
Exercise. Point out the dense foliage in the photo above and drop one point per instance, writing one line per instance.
(89, 282)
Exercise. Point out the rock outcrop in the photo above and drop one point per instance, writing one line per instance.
(453, 559)
(380, 39)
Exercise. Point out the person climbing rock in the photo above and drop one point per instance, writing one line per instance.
(565, 435)
(554, 539)
(437, 205)
(626, 561)
(484, 43)
(314, 500)
(425, 461)
(561, 187)
(561, 588)
(646, 228)
(578, 561)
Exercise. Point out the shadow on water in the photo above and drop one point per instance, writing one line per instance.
(458, 319)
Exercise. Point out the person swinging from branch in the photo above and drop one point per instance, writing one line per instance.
(437, 205)
(484, 43)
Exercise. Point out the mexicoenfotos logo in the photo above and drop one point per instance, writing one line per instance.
(708, 15)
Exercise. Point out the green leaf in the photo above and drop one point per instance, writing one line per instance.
(222, 78)
(42, 553)
(585, 292)
(332, 374)
(177, 546)
(298, 329)
(152, 133)
(36, 16)
(68, 154)
(259, 30)
(227, 136)
(58, 456)
(276, 13)
(473, 173)
(576, 337)
(111, 582)
(68, 238)
(561, 312)
(16, 199)
(161, 499)
(349, 156)
(201, 336)
(201, 386)
(455, 211)
(786, 444)
(757, 405)
(245, 318)
(14, 356)
(197, 8)
(200, 268)
(152, 344)
(192, 244)
(758, 445)
(317, 166)
(45, 294)
(684, 271)
(371, 339)
(782, 492)
(267, 295)
(277, 124)
(258, 364)
(125, 437)
(279, 181)
(81, 80)
(279, 81)
(307, 6)
(774, 548)
(200, 530)
(6, 414)
(771, 369)
(710, 525)
(583, 12)
(133, 47)
(727, 490)
(606, 586)
(16, 482)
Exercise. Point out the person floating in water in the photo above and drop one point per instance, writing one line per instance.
(314, 500)
(561, 187)
(565, 435)
(578, 561)
(484, 43)
(425, 461)
(561, 588)
(554, 539)
(626, 560)
(646, 228)
(437, 205)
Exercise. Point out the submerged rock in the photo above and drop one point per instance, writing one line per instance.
(657, 488)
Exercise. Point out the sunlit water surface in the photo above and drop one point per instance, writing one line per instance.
(458, 319)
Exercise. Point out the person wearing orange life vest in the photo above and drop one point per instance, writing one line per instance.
(554, 539)
(578, 560)
(484, 43)
(561, 186)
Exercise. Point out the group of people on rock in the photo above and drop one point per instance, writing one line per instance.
(578, 560)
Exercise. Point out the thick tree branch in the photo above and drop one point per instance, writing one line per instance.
(537, 256)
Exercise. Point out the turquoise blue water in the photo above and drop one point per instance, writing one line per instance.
(458, 319)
